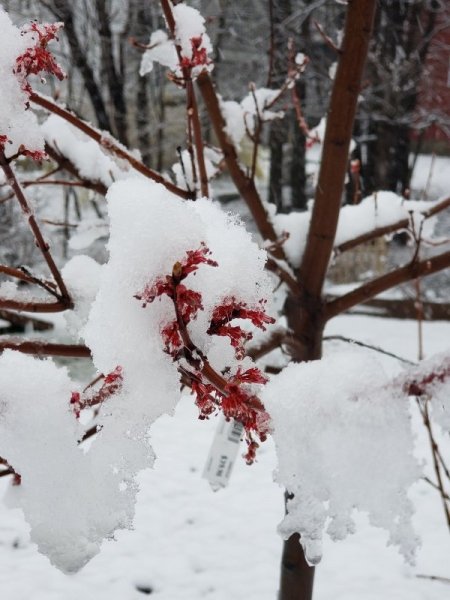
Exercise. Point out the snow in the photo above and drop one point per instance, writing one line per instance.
(81, 276)
(378, 210)
(70, 499)
(91, 160)
(188, 542)
(189, 23)
(87, 232)
(343, 441)
(147, 209)
(183, 174)
(242, 117)
(16, 122)
(161, 50)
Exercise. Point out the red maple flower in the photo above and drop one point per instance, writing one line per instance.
(75, 402)
(112, 383)
(199, 55)
(232, 309)
(237, 336)
(38, 59)
(422, 386)
(205, 397)
(193, 259)
(252, 375)
(171, 338)
(3, 141)
(159, 288)
(188, 302)
(37, 155)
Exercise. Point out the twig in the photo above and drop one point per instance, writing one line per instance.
(386, 282)
(419, 318)
(64, 163)
(370, 346)
(245, 186)
(41, 243)
(274, 340)
(434, 578)
(436, 487)
(194, 127)
(328, 41)
(398, 225)
(257, 133)
(429, 178)
(426, 420)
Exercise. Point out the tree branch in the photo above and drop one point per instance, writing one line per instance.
(244, 184)
(398, 225)
(333, 168)
(39, 348)
(386, 282)
(108, 143)
(65, 163)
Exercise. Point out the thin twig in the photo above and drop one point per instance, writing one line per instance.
(434, 578)
(433, 444)
(370, 346)
(326, 38)
(41, 243)
(436, 487)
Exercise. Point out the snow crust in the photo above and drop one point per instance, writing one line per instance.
(17, 122)
(343, 441)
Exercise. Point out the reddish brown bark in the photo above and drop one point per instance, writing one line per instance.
(244, 184)
(43, 246)
(39, 348)
(397, 226)
(386, 282)
(305, 313)
(112, 146)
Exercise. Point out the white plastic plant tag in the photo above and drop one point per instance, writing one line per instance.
(223, 452)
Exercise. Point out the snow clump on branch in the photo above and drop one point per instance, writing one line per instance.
(192, 39)
(24, 53)
(343, 441)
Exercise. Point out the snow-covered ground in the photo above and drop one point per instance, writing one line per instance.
(191, 543)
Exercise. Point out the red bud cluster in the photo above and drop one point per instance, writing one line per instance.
(421, 387)
(232, 395)
(199, 56)
(232, 309)
(38, 59)
(112, 383)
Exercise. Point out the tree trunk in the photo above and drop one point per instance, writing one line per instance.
(278, 67)
(305, 312)
(113, 77)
